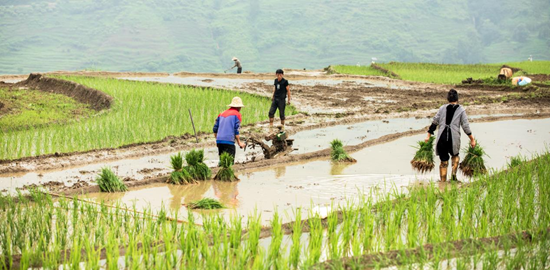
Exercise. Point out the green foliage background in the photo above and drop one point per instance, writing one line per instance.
(202, 36)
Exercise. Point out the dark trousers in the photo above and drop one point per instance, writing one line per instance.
(445, 145)
(239, 70)
(227, 148)
(278, 104)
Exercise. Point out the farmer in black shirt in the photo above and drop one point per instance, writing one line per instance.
(278, 98)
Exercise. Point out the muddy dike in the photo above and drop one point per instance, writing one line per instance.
(95, 98)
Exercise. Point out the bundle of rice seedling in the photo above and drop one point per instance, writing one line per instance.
(205, 203)
(338, 154)
(516, 161)
(180, 175)
(423, 160)
(109, 182)
(195, 165)
(473, 163)
(226, 169)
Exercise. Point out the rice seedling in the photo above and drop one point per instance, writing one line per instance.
(423, 160)
(180, 175)
(109, 182)
(142, 112)
(226, 171)
(473, 163)
(338, 154)
(295, 249)
(515, 161)
(195, 165)
(206, 203)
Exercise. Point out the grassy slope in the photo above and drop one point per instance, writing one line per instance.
(142, 112)
(30, 108)
(151, 35)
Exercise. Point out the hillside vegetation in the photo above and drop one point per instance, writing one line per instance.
(202, 36)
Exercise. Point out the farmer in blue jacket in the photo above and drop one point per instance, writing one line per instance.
(226, 128)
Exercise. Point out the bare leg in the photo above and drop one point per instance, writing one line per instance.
(270, 122)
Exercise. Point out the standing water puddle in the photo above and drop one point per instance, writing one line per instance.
(319, 182)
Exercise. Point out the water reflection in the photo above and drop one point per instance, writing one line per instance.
(189, 193)
(336, 168)
(226, 192)
(280, 172)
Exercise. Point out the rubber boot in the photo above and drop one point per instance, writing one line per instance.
(454, 166)
(443, 170)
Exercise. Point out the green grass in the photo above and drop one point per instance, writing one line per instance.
(362, 70)
(142, 112)
(26, 108)
(447, 73)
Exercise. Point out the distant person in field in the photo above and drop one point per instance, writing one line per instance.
(448, 121)
(278, 99)
(226, 128)
(238, 65)
(505, 73)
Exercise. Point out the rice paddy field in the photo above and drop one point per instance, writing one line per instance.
(496, 220)
(500, 220)
(142, 112)
(445, 73)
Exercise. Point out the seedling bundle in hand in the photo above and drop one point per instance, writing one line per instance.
(423, 160)
(338, 154)
(205, 203)
(473, 163)
(195, 165)
(180, 175)
(226, 172)
(109, 182)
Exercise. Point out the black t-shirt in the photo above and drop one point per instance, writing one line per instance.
(280, 88)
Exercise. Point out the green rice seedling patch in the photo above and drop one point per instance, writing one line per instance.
(226, 172)
(180, 175)
(142, 112)
(423, 160)
(361, 70)
(25, 109)
(337, 152)
(447, 73)
(195, 165)
(109, 182)
(473, 162)
(206, 203)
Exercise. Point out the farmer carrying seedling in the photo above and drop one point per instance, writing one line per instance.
(278, 98)
(448, 121)
(226, 128)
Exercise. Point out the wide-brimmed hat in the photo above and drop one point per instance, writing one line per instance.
(237, 102)
(235, 59)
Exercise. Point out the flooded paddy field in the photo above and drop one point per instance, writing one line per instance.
(321, 183)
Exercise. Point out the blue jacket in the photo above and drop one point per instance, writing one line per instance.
(227, 126)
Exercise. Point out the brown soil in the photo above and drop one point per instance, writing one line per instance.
(95, 98)
(539, 77)
(324, 105)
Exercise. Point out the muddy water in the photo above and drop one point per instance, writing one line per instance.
(242, 83)
(151, 166)
(320, 183)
